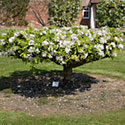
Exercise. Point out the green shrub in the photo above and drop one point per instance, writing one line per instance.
(110, 13)
(64, 12)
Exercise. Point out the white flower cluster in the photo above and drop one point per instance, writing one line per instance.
(2, 42)
(62, 45)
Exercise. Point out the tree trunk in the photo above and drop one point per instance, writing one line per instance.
(67, 74)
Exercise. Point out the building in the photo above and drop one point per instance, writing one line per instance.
(89, 13)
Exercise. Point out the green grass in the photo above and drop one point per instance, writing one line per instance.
(110, 67)
(114, 118)
(3, 31)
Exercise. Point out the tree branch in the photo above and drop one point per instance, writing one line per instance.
(37, 17)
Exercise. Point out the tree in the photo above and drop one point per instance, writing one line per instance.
(64, 12)
(66, 46)
(12, 12)
(110, 13)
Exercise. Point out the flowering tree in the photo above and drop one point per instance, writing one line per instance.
(66, 46)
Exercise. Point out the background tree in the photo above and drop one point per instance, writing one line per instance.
(110, 13)
(12, 12)
(64, 12)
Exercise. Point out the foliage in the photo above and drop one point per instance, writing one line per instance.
(13, 12)
(64, 12)
(67, 46)
(111, 13)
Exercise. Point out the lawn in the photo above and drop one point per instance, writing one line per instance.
(111, 118)
(110, 67)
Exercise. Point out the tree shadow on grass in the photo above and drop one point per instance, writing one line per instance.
(39, 84)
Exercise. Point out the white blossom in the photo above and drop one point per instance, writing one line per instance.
(31, 42)
(31, 59)
(46, 28)
(44, 54)
(3, 34)
(66, 28)
(108, 37)
(101, 53)
(44, 32)
(78, 42)
(116, 38)
(31, 35)
(65, 42)
(86, 55)
(81, 50)
(70, 31)
(99, 33)
(57, 58)
(11, 52)
(63, 62)
(67, 50)
(114, 54)
(35, 29)
(63, 37)
(74, 36)
(11, 39)
(120, 46)
(28, 55)
(45, 43)
(16, 34)
(99, 47)
(31, 49)
(51, 43)
(121, 39)
(2, 42)
(50, 56)
(107, 47)
(37, 51)
(104, 32)
(41, 33)
(102, 40)
(113, 44)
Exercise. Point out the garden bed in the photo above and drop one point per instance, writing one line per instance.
(35, 95)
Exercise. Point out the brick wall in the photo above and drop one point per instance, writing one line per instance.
(32, 14)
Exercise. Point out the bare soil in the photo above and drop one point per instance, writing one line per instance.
(87, 93)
